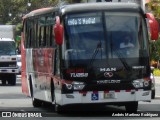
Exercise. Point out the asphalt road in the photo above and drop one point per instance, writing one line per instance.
(12, 100)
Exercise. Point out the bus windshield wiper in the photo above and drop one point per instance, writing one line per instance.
(118, 53)
(123, 60)
(99, 47)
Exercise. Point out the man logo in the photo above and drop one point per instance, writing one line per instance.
(108, 74)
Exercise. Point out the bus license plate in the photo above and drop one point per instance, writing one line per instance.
(110, 95)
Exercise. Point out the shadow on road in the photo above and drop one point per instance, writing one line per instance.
(157, 98)
(82, 110)
(17, 84)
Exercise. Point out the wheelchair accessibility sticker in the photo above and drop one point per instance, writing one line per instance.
(94, 96)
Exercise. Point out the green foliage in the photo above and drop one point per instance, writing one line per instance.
(156, 72)
(154, 6)
(74, 1)
(155, 50)
(19, 8)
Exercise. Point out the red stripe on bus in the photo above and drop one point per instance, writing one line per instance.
(95, 91)
(83, 92)
(117, 90)
(128, 90)
(106, 91)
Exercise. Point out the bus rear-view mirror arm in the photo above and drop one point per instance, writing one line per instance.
(58, 31)
(154, 26)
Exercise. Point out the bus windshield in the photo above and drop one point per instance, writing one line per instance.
(100, 36)
(7, 48)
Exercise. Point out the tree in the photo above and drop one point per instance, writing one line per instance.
(154, 6)
(11, 11)
(74, 1)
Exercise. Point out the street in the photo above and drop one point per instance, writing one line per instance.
(12, 99)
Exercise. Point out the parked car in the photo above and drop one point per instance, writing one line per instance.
(153, 84)
(19, 63)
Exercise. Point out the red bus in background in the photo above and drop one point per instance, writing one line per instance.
(71, 55)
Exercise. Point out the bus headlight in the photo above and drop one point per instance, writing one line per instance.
(146, 83)
(74, 85)
(69, 86)
(78, 85)
(138, 83)
(141, 83)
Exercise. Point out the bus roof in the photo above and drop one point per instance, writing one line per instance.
(39, 12)
(101, 6)
(71, 8)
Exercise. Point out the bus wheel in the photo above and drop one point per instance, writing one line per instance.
(153, 94)
(12, 79)
(131, 107)
(52, 93)
(58, 108)
(3, 82)
(36, 102)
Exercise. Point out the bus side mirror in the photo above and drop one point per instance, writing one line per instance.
(58, 31)
(154, 26)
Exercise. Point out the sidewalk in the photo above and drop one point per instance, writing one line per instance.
(157, 79)
(157, 85)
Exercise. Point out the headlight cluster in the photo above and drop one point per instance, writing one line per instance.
(139, 83)
(75, 85)
(18, 57)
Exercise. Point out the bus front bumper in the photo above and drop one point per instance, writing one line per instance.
(107, 97)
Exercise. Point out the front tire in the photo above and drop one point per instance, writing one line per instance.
(36, 102)
(52, 93)
(131, 107)
(12, 79)
(153, 94)
(58, 108)
(4, 82)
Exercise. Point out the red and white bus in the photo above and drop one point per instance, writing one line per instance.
(71, 55)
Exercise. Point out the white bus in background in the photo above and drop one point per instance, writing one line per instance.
(8, 57)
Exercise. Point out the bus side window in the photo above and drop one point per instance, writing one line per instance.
(29, 38)
(51, 37)
(50, 30)
(42, 37)
(39, 36)
(47, 36)
(36, 34)
(27, 43)
(25, 34)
